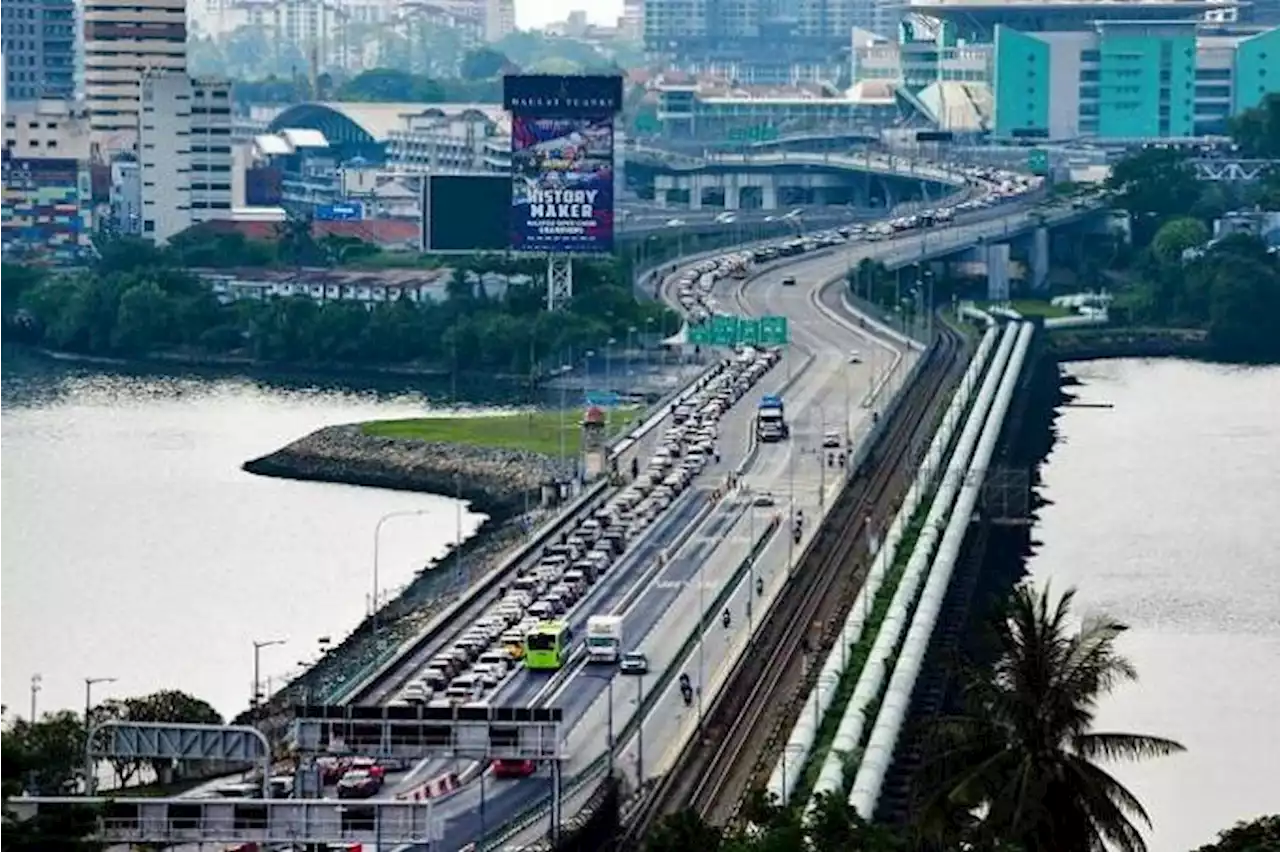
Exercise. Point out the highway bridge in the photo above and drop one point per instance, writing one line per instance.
(773, 180)
(693, 590)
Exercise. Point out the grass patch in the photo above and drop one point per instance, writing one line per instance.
(1033, 308)
(858, 653)
(532, 431)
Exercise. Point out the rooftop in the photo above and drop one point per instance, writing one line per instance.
(388, 233)
(987, 12)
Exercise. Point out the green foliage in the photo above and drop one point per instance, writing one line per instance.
(1229, 288)
(394, 85)
(1260, 835)
(140, 300)
(1025, 749)
(1176, 236)
(484, 63)
(1257, 131)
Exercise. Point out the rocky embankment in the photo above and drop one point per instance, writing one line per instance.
(495, 481)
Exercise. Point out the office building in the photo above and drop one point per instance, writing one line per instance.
(39, 49)
(693, 33)
(184, 153)
(48, 203)
(123, 41)
(1129, 80)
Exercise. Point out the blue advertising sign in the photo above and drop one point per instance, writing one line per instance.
(340, 212)
(603, 399)
(562, 191)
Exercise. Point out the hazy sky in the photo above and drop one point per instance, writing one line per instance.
(539, 13)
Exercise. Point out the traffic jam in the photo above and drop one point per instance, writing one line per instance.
(529, 625)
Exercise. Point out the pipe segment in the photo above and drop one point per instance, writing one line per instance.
(790, 766)
(875, 671)
(865, 795)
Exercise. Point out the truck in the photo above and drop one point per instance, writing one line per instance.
(604, 638)
(771, 421)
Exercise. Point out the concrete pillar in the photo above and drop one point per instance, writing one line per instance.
(696, 184)
(998, 272)
(1040, 258)
(769, 194)
(662, 184)
(732, 194)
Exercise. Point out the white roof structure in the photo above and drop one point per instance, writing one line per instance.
(299, 137)
(271, 145)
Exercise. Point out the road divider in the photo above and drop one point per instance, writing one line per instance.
(433, 788)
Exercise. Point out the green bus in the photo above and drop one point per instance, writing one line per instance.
(547, 646)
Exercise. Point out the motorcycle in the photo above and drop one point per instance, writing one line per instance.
(686, 689)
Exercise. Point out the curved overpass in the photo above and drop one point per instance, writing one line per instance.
(885, 165)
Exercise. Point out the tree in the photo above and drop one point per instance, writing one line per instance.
(483, 63)
(43, 757)
(1257, 130)
(1152, 183)
(1176, 236)
(1026, 751)
(143, 320)
(1260, 835)
(681, 832)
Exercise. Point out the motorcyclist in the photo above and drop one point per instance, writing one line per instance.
(759, 585)
(727, 619)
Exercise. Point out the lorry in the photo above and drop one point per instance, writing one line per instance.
(771, 422)
(604, 638)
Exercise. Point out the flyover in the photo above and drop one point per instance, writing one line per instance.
(768, 181)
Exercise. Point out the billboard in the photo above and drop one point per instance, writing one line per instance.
(562, 184)
(562, 96)
(466, 213)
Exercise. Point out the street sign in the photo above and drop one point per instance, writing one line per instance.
(774, 331)
(602, 399)
(1038, 161)
(339, 212)
(730, 331)
(724, 330)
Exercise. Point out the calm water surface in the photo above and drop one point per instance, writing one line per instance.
(1164, 515)
(134, 546)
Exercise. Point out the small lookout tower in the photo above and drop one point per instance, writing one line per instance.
(595, 452)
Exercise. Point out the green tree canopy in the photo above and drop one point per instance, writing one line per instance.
(1257, 130)
(1026, 751)
(483, 63)
(1176, 236)
(1260, 835)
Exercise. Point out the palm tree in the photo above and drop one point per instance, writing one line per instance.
(1022, 758)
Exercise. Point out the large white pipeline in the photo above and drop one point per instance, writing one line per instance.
(875, 671)
(893, 712)
(786, 773)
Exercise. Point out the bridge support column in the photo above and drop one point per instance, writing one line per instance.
(662, 186)
(1040, 258)
(769, 194)
(998, 272)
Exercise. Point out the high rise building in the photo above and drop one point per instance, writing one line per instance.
(184, 153)
(122, 42)
(48, 199)
(39, 49)
(746, 32)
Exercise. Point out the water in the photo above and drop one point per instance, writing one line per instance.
(1163, 516)
(136, 548)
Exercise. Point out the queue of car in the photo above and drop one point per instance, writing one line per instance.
(547, 589)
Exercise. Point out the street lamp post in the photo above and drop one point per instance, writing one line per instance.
(89, 683)
(37, 680)
(258, 645)
(457, 527)
(377, 532)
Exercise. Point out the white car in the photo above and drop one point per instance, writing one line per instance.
(831, 440)
(855, 357)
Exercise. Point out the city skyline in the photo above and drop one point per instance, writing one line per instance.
(535, 14)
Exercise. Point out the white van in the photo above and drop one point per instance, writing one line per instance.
(464, 688)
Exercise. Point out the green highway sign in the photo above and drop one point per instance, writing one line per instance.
(1038, 161)
(724, 330)
(774, 332)
(740, 331)
(700, 335)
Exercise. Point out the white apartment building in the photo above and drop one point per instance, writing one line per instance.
(499, 19)
(184, 153)
(631, 24)
(122, 41)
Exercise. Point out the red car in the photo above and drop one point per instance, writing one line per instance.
(514, 768)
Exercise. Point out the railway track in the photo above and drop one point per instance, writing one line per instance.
(747, 725)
